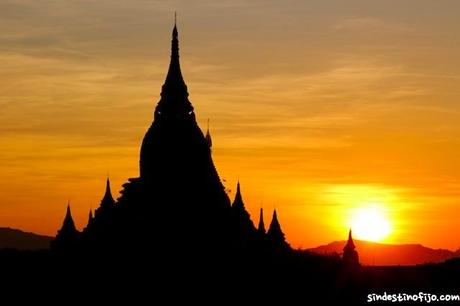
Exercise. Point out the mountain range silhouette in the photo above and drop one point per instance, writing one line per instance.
(382, 254)
(16, 239)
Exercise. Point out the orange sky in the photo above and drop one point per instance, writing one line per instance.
(319, 107)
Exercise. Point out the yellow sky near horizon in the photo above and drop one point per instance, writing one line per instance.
(319, 107)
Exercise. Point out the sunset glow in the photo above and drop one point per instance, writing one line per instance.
(338, 113)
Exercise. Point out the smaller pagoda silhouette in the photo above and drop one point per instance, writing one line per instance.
(275, 236)
(243, 230)
(67, 237)
(261, 227)
(350, 255)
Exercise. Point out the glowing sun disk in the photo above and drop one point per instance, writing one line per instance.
(370, 223)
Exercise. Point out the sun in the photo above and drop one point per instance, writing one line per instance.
(370, 223)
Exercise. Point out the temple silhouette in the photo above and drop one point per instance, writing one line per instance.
(178, 202)
(350, 255)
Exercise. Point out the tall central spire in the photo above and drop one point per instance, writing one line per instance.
(174, 76)
(174, 95)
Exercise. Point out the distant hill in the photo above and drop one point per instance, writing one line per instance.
(17, 239)
(379, 254)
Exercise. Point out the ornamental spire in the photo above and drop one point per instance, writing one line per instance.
(208, 136)
(261, 227)
(238, 198)
(275, 233)
(350, 244)
(107, 200)
(174, 95)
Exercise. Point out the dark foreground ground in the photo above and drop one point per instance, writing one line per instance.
(297, 278)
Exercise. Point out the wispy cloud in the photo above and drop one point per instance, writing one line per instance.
(372, 25)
